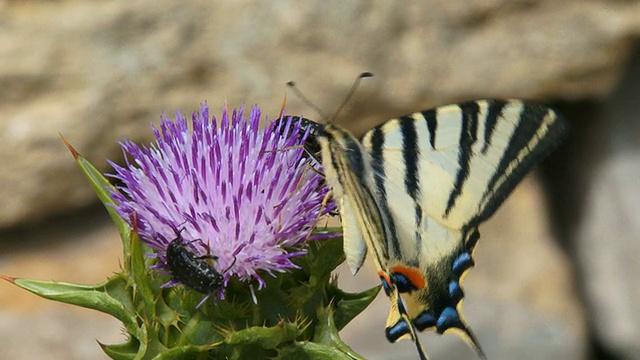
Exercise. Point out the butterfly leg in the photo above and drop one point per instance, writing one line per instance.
(323, 205)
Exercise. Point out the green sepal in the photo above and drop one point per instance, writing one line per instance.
(124, 351)
(264, 337)
(142, 291)
(327, 333)
(302, 350)
(350, 305)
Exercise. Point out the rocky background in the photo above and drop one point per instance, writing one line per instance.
(556, 274)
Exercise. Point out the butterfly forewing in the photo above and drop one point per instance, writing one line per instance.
(455, 164)
(348, 172)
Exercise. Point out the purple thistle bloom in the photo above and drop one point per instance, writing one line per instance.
(232, 192)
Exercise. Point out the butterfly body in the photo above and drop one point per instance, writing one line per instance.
(413, 190)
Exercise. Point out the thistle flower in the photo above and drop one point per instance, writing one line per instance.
(221, 204)
(245, 198)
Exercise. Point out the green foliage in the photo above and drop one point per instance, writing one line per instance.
(297, 315)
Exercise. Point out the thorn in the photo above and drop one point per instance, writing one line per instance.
(8, 278)
(102, 346)
(284, 104)
(74, 152)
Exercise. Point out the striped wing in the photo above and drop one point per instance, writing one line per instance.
(453, 166)
(437, 175)
(413, 191)
(348, 172)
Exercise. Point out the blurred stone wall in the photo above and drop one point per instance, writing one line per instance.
(555, 275)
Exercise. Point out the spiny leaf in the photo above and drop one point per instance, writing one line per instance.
(264, 337)
(327, 334)
(302, 350)
(103, 189)
(349, 305)
(191, 352)
(143, 291)
(88, 296)
(125, 351)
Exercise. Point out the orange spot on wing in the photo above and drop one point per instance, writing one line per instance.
(412, 273)
(385, 276)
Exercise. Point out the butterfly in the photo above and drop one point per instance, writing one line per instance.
(413, 191)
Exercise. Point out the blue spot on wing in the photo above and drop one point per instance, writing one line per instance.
(462, 263)
(424, 321)
(449, 318)
(396, 331)
(455, 291)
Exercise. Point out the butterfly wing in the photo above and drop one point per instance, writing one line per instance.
(459, 162)
(348, 174)
(438, 174)
(418, 186)
(354, 243)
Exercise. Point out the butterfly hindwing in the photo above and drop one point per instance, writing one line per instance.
(438, 174)
(354, 243)
(348, 172)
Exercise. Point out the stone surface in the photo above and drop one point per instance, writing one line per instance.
(98, 70)
(607, 241)
(608, 249)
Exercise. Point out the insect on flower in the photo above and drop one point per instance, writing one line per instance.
(192, 270)
(222, 181)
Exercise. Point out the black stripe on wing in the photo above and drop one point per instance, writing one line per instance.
(377, 165)
(432, 125)
(411, 156)
(468, 136)
(534, 121)
(490, 121)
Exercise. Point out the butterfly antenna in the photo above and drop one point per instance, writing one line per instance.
(352, 91)
(305, 100)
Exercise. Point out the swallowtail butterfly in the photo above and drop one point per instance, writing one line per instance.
(413, 191)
